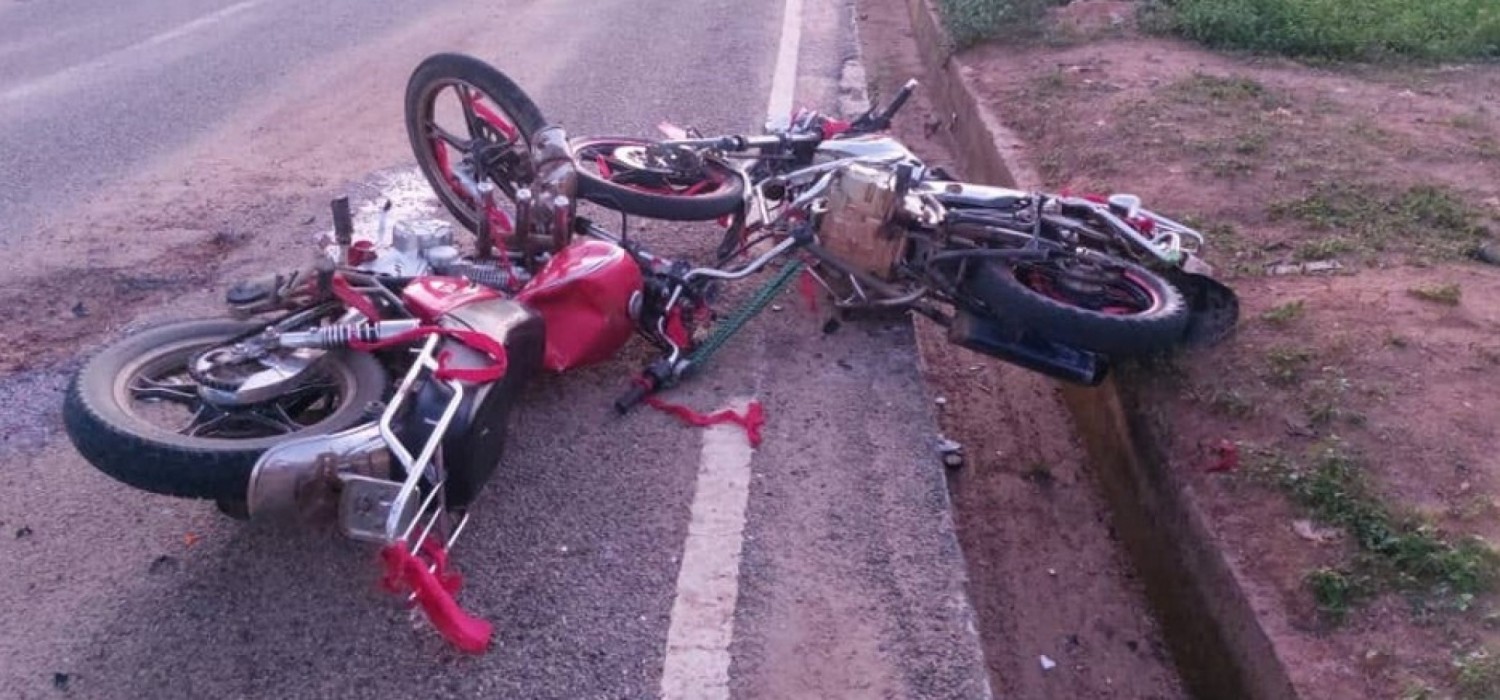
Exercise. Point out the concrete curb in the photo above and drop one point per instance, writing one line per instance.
(1220, 648)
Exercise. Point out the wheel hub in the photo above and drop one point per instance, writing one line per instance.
(246, 373)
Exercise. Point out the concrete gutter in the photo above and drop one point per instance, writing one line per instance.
(1220, 648)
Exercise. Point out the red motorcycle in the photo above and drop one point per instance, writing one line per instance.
(377, 387)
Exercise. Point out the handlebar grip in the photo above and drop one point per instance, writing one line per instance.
(899, 100)
(629, 399)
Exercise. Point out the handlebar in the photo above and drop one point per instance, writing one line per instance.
(630, 398)
(875, 119)
(897, 102)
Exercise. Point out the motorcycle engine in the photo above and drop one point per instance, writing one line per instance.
(858, 226)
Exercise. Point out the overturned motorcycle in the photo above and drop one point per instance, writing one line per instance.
(376, 388)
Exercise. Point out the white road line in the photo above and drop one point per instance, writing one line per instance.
(61, 78)
(201, 22)
(697, 659)
(784, 79)
(702, 623)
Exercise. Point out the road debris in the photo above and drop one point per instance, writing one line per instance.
(952, 452)
(1312, 533)
(1223, 456)
(165, 562)
(23, 531)
(1047, 663)
(1486, 254)
(60, 680)
(1307, 268)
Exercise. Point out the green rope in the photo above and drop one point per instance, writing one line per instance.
(742, 315)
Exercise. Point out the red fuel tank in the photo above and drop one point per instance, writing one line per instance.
(583, 295)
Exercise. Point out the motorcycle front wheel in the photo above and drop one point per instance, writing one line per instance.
(136, 414)
(1112, 307)
(466, 120)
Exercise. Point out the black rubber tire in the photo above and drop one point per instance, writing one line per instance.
(1157, 329)
(723, 202)
(152, 458)
(438, 71)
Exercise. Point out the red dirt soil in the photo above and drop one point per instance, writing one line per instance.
(1284, 163)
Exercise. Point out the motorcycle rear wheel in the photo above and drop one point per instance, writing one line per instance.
(110, 406)
(1116, 308)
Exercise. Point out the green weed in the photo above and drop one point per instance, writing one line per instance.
(1445, 294)
(972, 21)
(1286, 364)
(1477, 675)
(1423, 219)
(1283, 315)
(1336, 591)
(1336, 29)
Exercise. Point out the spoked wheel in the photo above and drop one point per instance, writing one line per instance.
(1108, 306)
(145, 412)
(645, 178)
(469, 124)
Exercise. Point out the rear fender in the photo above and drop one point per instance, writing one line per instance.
(476, 438)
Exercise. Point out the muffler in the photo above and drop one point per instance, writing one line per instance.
(302, 477)
(1028, 350)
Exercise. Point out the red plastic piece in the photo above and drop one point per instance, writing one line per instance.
(751, 420)
(833, 127)
(583, 294)
(1224, 456)
(361, 252)
(353, 299)
(676, 331)
(808, 288)
(474, 339)
(434, 587)
(431, 297)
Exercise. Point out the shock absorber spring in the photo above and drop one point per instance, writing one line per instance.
(340, 335)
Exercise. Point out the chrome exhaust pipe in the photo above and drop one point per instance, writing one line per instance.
(303, 477)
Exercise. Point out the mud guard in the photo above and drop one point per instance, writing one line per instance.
(1213, 308)
(476, 438)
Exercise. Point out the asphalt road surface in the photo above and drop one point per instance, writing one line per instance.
(132, 128)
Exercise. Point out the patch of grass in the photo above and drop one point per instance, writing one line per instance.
(1397, 552)
(1465, 121)
(1325, 402)
(1234, 90)
(1445, 294)
(1231, 167)
(1336, 591)
(1283, 315)
(1286, 363)
(1336, 29)
(1417, 690)
(1477, 675)
(972, 21)
(1227, 401)
(1423, 219)
(1323, 249)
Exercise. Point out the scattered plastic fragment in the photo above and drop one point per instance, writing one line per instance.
(1223, 456)
(1047, 663)
(1304, 268)
(1312, 533)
